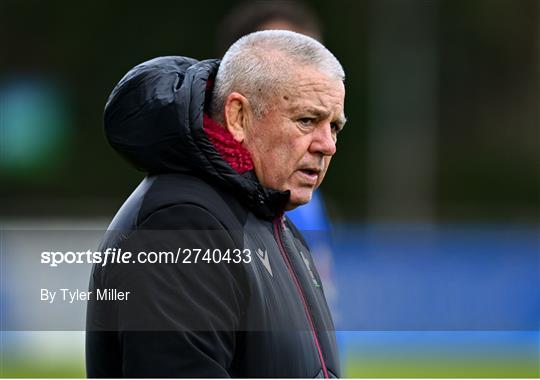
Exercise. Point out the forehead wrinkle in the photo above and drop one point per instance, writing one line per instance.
(320, 92)
(320, 109)
(316, 95)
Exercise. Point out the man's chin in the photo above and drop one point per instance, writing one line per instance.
(296, 200)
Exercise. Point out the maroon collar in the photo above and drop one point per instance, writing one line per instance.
(230, 150)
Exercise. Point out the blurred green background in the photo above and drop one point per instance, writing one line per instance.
(443, 102)
(442, 98)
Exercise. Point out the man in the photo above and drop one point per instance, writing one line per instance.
(294, 15)
(229, 146)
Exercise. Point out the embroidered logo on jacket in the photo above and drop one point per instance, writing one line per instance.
(263, 256)
(308, 266)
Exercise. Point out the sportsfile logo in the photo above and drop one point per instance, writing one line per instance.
(118, 256)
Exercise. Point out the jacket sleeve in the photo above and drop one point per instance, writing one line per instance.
(181, 318)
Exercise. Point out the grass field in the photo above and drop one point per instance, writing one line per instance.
(365, 354)
(415, 367)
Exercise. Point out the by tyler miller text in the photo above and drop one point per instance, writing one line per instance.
(77, 295)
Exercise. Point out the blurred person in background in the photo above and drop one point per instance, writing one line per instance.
(228, 147)
(251, 16)
(294, 15)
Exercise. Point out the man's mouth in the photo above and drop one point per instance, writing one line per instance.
(310, 175)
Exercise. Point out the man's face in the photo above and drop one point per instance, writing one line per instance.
(292, 145)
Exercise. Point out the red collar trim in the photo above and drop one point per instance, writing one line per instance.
(230, 150)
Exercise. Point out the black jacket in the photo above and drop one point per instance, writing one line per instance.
(265, 316)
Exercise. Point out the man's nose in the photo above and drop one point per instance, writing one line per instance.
(324, 141)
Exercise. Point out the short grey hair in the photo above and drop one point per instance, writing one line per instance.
(258, 66)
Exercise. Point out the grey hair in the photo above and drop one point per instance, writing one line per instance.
(259, 64)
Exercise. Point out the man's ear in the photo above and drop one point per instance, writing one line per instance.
(237, 115)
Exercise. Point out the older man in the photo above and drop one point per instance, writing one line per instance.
(228, 148)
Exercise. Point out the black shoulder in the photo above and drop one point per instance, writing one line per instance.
(184, 216)
(168, 191)
(177, 201)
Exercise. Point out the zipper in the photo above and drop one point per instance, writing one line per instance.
(279, 240)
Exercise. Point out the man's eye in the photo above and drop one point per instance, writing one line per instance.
(306, 121)
(335, 127)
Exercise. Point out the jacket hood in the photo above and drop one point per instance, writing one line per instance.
(154, 118)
